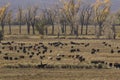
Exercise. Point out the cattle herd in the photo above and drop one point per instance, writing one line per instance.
(61, 52)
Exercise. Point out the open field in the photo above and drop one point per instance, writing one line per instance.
(69, 67)
(46, 74)
(27, 57)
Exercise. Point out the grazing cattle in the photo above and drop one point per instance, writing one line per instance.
(58, 58)
(73, 50)
(3, 47)
(109, 45)
(78, 50)
(20, 48)
(30, 56)
(32, 53)
(69, 56)
(15, 58)
(18, 51)
(15, 47)
(41, 57)
(50, 51)
(87, 44)
(10, 58)
(61, 47)
(22, 57)
(6, 57)
(44, 51)
(40, 43)
(72, 47)
(6, 43)
(110, 64)
(93, 51)
(117, 65)
(24, 50)
(98, 50)
(103, 42)
(112, 51)
(81, 59)
(118, 51)
(66, 44)
(98, 62)
(77, 56)
(28, 53)
(42, 65)
(6, 54)
(56, 44)
(117, 47)
(62, 55)
(40, 50)
(106, 44)
(74, 43)
(37, 54)
(11, 48)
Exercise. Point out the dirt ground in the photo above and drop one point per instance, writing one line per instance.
(55, 74)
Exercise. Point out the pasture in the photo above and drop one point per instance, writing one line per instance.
(28, 57)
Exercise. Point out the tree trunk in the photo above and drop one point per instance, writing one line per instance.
(72, 29)
(95, 29)
(2, 25)
(77, 31)
(33, 29)
(114, 32)
(10, 29)
(52, 29)
(82, 29)
(20, 29)
(62, 28)
(28, 29)
(86, 29)
(100, 30)
(46, 30)
(65, 29)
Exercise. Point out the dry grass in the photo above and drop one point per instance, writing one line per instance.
(38, 74)
(32, 73)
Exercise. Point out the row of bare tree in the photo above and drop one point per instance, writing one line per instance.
(74, 14)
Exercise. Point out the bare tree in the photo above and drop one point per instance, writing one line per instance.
(118, 17)
(71, 9)
(88, 14)
(3, 17)
(20, 18)
(109, 26)
(51, 16)
(82, 17)
(9, 19)
(101, 9)
(33, 16)
(63, 23)
(40, 24)
(28, 17)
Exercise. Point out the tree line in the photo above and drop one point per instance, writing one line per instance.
(74, 14)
